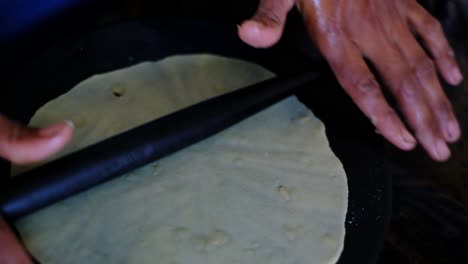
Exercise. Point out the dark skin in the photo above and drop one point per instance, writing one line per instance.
(384, 32)
(345, 31)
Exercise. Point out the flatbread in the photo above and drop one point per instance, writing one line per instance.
(267, 190)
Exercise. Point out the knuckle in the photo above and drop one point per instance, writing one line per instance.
(366, 86)
(424, 68)
(386, 116)
(432, 26)
(331, 41)
(450, 53)
(364, 89)
(13, 135)
(406, 3)
(425, 120)
(444, 109)
(333, 29)
(269, 16)
(412, 5)
(407, 89)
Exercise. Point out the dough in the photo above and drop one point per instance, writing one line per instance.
(267, 190)
(108, 104)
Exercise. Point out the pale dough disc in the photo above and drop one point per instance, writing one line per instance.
(267, 190)
(107, 104)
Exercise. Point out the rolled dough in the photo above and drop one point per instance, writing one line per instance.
(267, 190)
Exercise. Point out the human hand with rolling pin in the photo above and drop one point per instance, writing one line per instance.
(385, 32)
(21, 145)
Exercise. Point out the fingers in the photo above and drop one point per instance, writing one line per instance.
(353, 74)
(24, 145)
(379, 31)
(430, 30)
(411, 97)
(11, 250)
(265, 28)
(424, 70)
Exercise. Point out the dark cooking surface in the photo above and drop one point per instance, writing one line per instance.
(359, 148)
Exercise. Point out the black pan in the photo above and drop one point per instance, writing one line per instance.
(54, 71)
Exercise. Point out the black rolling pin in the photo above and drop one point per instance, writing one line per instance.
(117, 155)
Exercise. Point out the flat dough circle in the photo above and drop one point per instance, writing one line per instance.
(267, 190)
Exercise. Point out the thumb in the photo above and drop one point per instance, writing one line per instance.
(265, 28)
(20, 144)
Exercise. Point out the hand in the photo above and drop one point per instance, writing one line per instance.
(11, 251)
(23, 145)
(385, 32)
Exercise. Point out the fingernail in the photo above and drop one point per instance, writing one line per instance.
(51, 131)
(55, 129)
(373, 120)
(452, 130)
(70, 123)
(456, 75)
(442, 151)
(407, 137)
